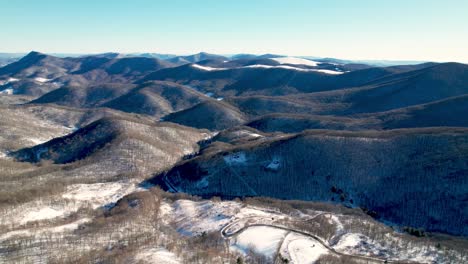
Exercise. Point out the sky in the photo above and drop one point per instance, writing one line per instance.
(429, 30)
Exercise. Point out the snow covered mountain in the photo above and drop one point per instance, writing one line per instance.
(160, 158)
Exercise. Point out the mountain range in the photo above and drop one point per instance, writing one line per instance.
(388, 141)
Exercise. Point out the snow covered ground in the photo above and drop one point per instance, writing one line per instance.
(194, 218)
(206, 68)
(328, 71)
(42, 80)
(9, 80)
(359, 244)
(156, 255)
(301, 249)
(262, 239)
(39, 231)
(288, 67)
(76, 196)
(296, 61)
(8, 91)
(99, 194)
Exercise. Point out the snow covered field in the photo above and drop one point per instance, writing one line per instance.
(156, 255)
(42, 80)
(296, 61)
(262, 239)
(262, 66)
(76, 196)
(301, 249)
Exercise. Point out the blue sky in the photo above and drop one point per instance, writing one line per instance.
(359, 29)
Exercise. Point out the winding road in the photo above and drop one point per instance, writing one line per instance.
(226, 234)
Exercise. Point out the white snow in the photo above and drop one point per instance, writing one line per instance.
(156, 255)
(196, 217)
(9, 80)
(296, 61)
(327, 71)
(38, 231)
(206, 68)
(8, 91)
(42, 214)
(246, 133)
(274, 164)
(277, 67)
(203, 183)
(235, 158)
(349, 241)
(302, 249)
(37, 141)
(42, 80)
(76, 196)
(99, 194)
(262, 239)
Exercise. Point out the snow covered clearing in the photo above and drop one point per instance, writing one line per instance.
(274, 164)
(39, 231)
(359, 244)
(296, 61)
(235, 158)
(99, 194)
(76, 196)
(277, 67)
(197, 217)
(37, 141)
(328, 71)
(206, 68)
(42, 214)
(8, 91)
(246, 133)
(9, 80)
(301, 249)
(42, 80)
(156, 255)
(262, 239)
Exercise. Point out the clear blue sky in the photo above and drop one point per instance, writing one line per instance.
(358, 29)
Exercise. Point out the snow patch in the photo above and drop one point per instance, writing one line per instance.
(262, 239)
(42, 214)
(42, 80)
(8, 91)
(302, 249)
(274, 164)
(194, 218)
(37, 141)
(327, 71)
(203, 183)
(206, 68)
(99, 194)
(156, 255)
(296, 61)
(9, 80)
(246, 133)
(235, 158)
